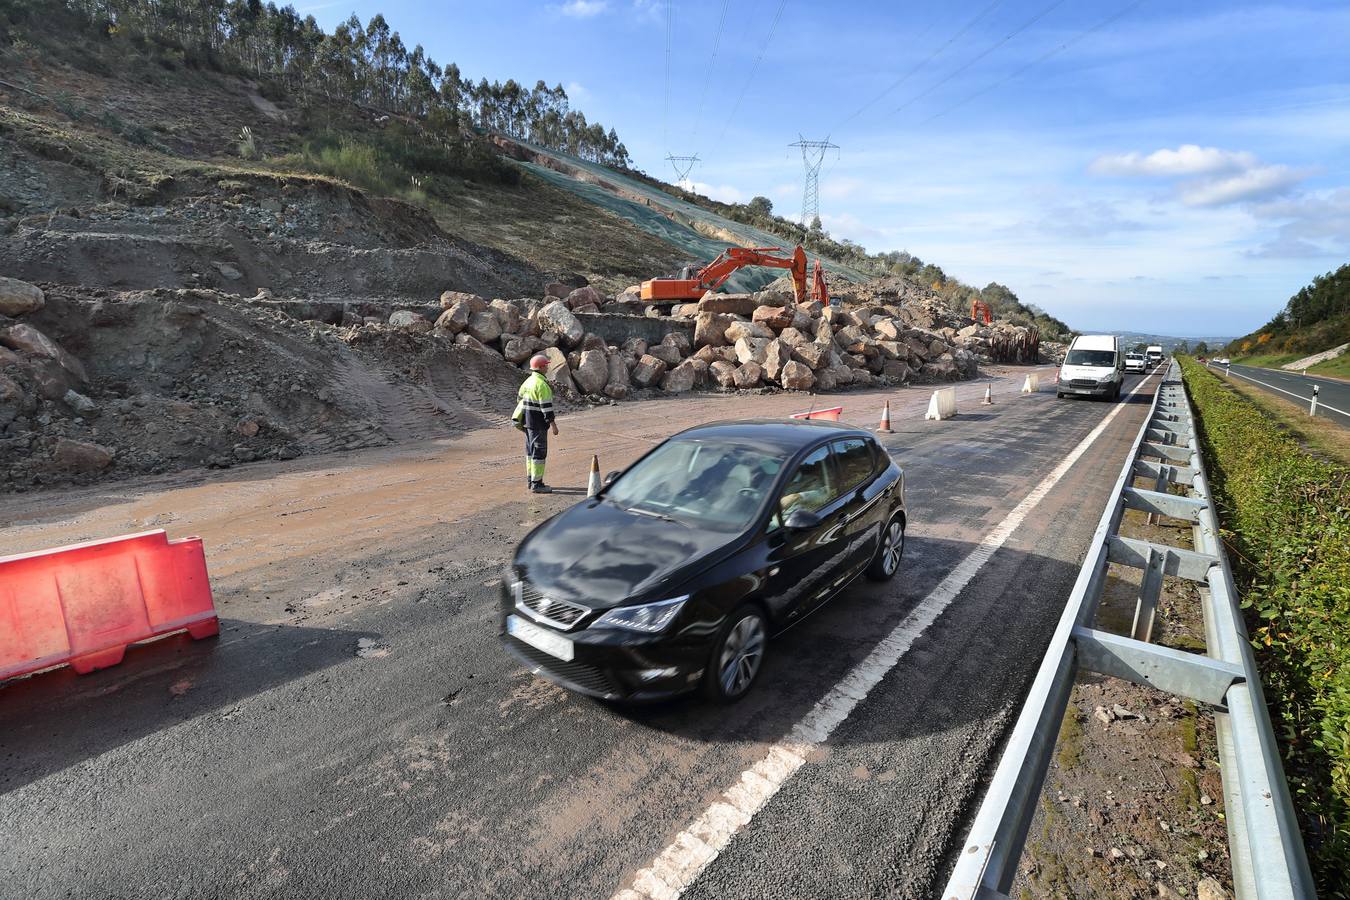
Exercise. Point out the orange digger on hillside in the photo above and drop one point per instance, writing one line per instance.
(690, 285)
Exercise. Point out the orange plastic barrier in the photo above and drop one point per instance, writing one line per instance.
(831, 414)
(84, 604)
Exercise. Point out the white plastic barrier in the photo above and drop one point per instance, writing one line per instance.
(1032, 384)
(942, 405)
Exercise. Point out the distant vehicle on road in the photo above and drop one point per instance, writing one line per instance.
(1093, 367)
(1154, 354)
(1134, 362)
(1220, 360)
(676, 574)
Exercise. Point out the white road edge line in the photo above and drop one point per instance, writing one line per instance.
(693, 849)
(1320, 404)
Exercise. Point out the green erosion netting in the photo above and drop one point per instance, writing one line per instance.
(671, 219)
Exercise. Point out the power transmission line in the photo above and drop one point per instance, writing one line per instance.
(712, 60)
(683, 165)
(1035, 62)
(999, 43)
(921, 63)
(773, 27)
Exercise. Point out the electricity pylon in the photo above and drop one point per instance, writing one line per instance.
(683, 165)
(813, 153)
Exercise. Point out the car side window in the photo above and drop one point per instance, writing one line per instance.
(811, 486)
(855, 462)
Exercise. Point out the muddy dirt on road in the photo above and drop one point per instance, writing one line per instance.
(356, 731)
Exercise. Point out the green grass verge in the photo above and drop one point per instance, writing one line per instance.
(1338, 367)
(1286, 517)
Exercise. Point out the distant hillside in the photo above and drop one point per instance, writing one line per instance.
(1171, 344)
(1316, 318)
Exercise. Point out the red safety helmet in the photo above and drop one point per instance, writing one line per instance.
(539, 363)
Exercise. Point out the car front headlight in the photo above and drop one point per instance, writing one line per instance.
(648, 618)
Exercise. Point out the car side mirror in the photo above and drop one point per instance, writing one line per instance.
(612, 477)
(801, 520)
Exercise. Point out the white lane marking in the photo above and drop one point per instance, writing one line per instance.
(1320, 404)
(675, 868)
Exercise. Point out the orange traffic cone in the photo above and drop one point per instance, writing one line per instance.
(593, 487)
(885, 426)
(988, 395)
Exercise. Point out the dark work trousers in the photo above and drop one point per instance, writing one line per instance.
(536, 451)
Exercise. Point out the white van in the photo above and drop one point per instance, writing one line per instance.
(1093, 367)
(1154, 354)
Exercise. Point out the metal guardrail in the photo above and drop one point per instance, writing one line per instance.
(1265, 846)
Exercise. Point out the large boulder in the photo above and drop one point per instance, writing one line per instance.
(853, 339)
(776, 355)
(890, 329)
(723, 372)
(711, 355)
(738, 330)
(748, 375)
(454, 319)
(559, 374)
(648, 371)
(710, 329)
(684, 310)
(474, 302)
(894, 370)
(484, 327)
(824, 331)
(751, 350)
(618, 386)
(592, 372)
(508, 315)
(771, 298)
(584, 296)
(796, 376)
(816, 356)
(556, 317)
(28, 340)
(19, 297)
(81, 457)
(518, 349)
(680, 379)
(774, 317)
(738, 304)
(667, 353)
(408, 320)
(635, 347)
(793, 337)
(679, 340)
(841, 374)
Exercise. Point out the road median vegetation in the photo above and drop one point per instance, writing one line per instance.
(1286, 520)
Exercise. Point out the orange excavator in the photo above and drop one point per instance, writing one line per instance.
(690, 285)
(980, 310)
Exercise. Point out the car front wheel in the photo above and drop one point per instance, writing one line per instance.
(892, 548)
(737, 656)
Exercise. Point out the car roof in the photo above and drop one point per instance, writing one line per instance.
(1094, 342)
(785, 434)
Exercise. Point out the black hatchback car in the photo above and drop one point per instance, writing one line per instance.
(676, 574)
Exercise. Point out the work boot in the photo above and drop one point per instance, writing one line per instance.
(540, 488)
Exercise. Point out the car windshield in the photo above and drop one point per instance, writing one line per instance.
(1090, 358)
(705, 483)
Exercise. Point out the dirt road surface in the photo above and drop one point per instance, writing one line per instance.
(356, 731)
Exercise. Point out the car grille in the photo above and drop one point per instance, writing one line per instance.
(1079, 384)
(586, 677)
(560, 612)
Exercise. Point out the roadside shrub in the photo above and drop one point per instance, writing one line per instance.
(1286, 516)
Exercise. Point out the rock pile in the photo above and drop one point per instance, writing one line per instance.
(740, 341)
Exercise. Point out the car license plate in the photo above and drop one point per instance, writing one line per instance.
(539, 638)
(1081, 390)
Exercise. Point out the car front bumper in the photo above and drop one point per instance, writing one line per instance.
(611, 664)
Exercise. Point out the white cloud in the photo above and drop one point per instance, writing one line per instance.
(583, 9)
(723, 193)
(1188, 159)
(1312, 225)
(577, 91)
(1257, 183)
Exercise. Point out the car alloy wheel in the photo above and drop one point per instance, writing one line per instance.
(891, 550)
(739, 656)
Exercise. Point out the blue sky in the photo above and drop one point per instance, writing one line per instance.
(1182, 168)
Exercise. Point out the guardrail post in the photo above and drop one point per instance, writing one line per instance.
(1312, 407)
(1149, 590)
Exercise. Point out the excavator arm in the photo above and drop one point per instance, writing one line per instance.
(715, 274)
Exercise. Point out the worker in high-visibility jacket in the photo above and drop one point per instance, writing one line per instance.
(534, 416)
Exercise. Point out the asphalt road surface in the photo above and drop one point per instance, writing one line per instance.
(1333, 397)
(355, 731)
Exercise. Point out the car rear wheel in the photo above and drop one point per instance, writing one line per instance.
(737, 656)
(892, 548)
